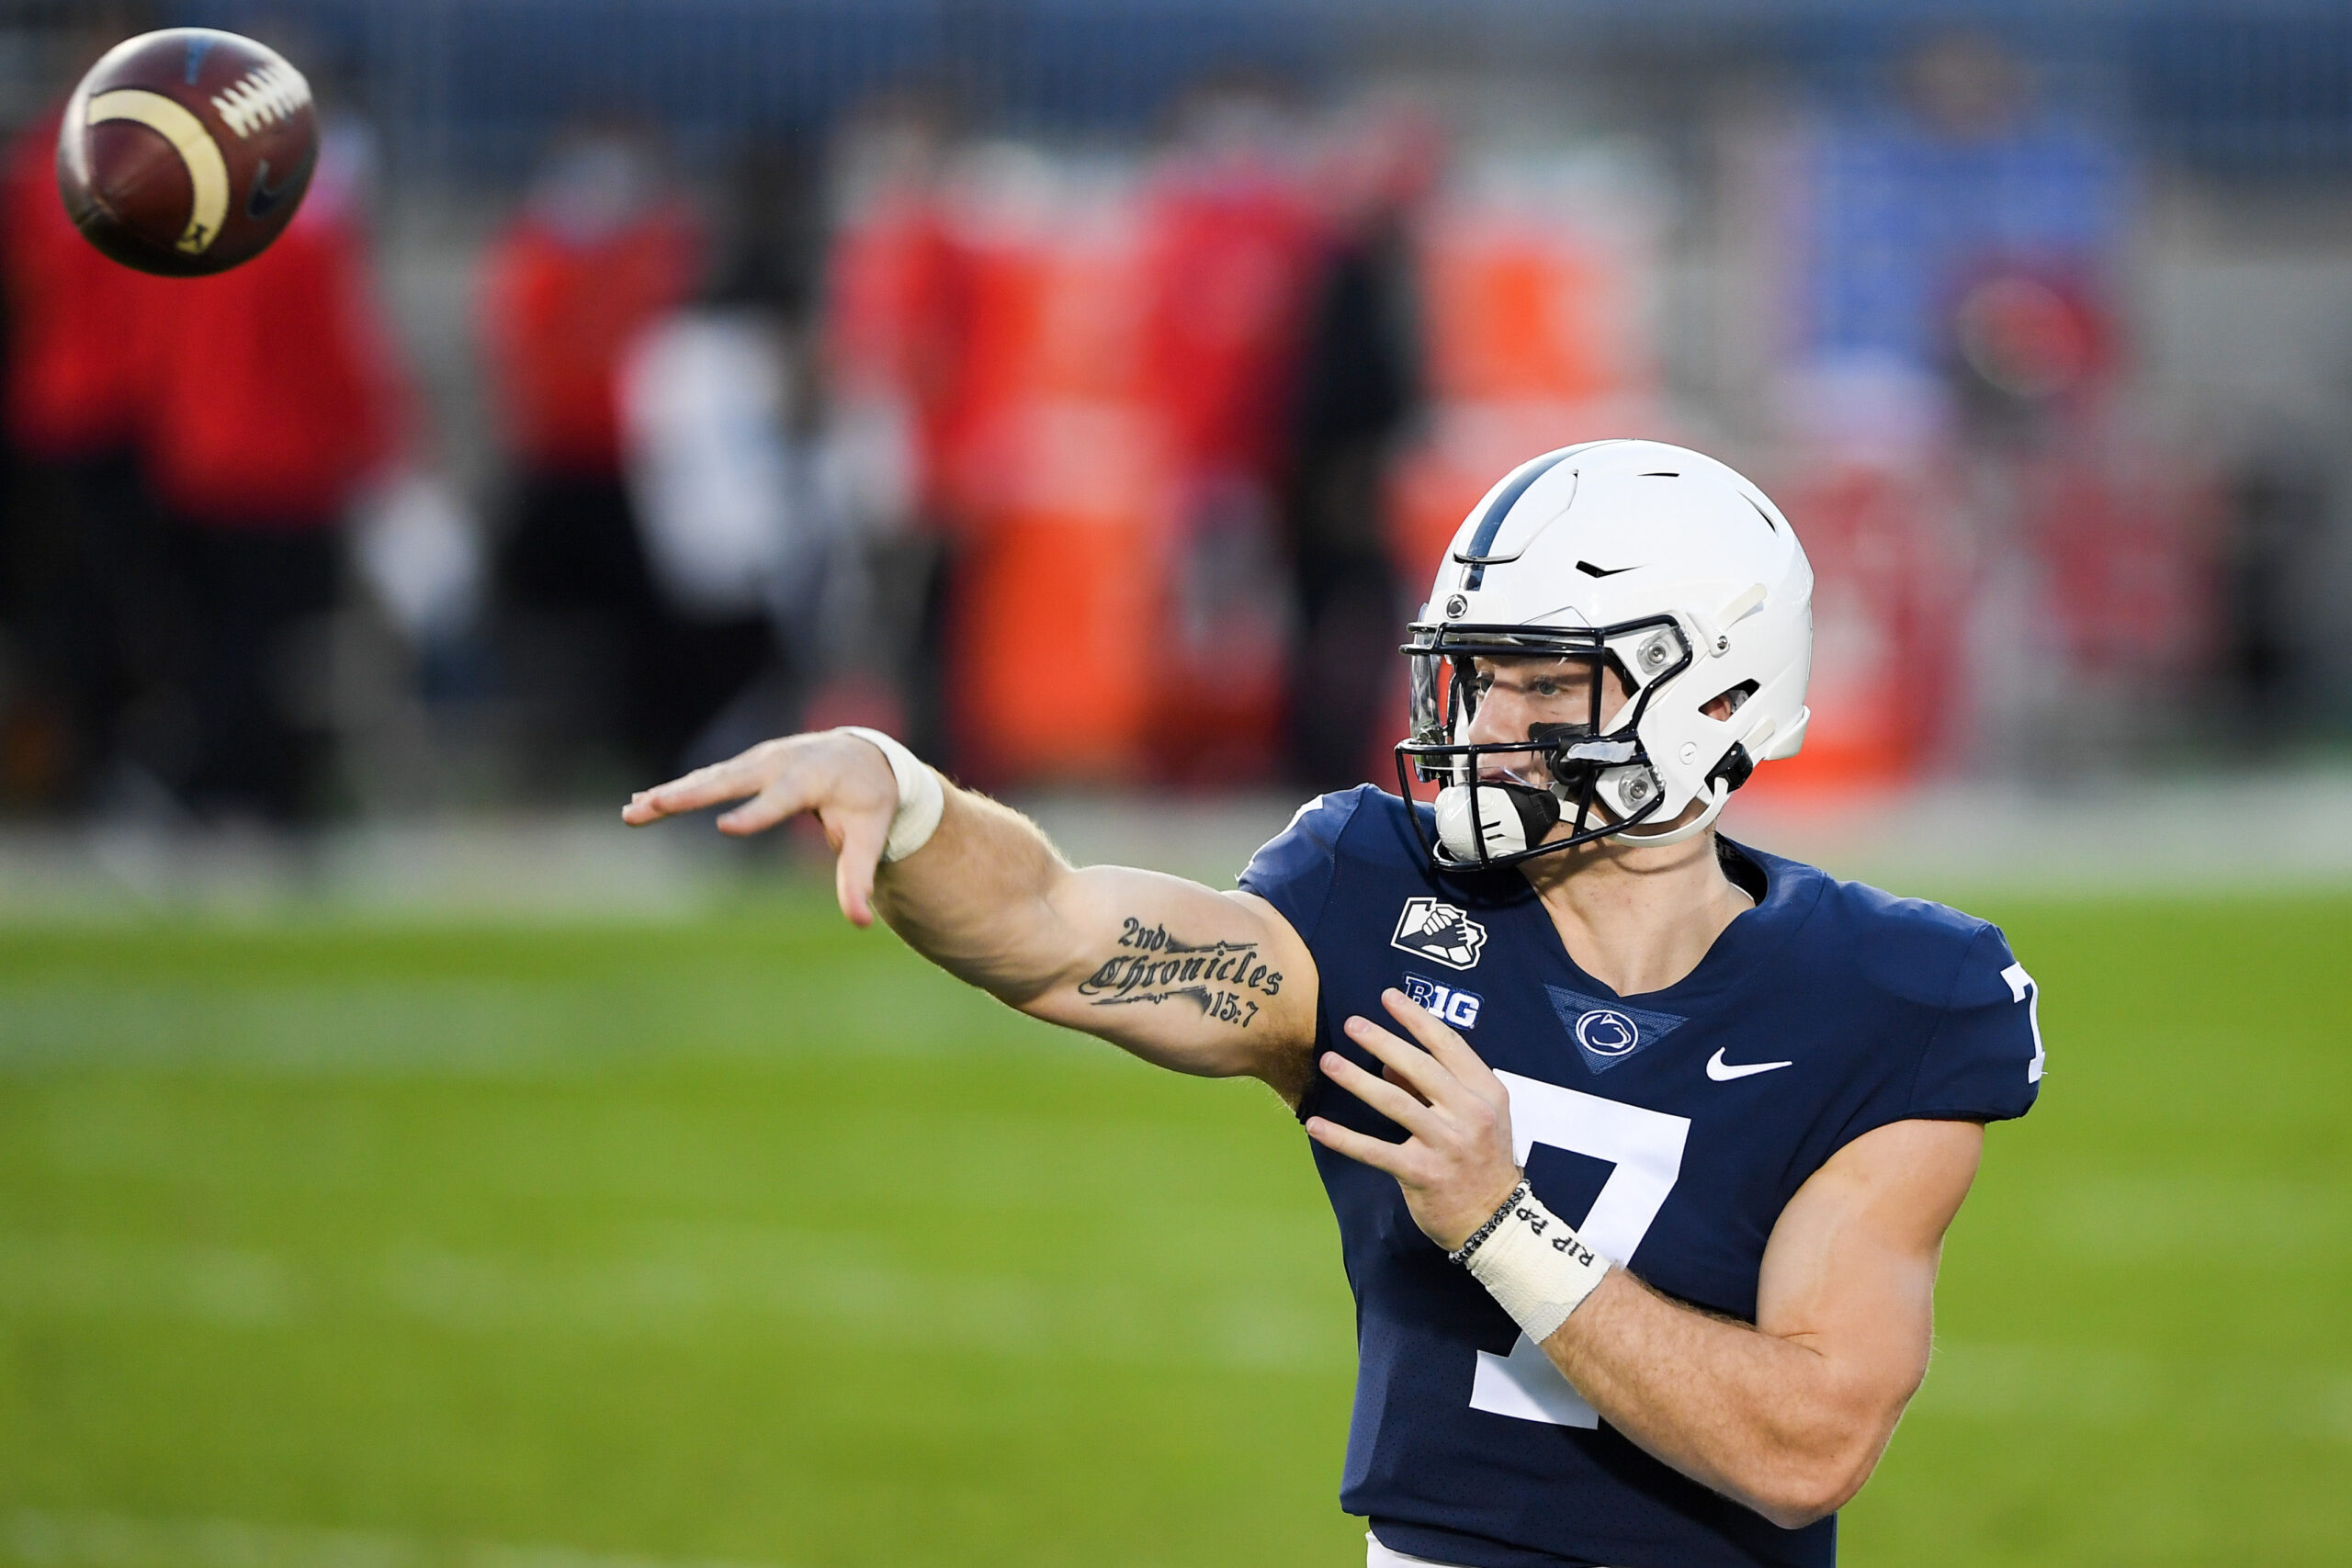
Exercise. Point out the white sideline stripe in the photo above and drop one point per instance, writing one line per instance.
(568, 868)
(672, 1292)
(44, 1539)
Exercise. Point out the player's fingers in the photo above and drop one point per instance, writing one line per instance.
(1462, 1064)
(1394, 1077)
(786, 796)
(1426, 1074)
(1391, 1102)
(1361, 1147)
(678, 796)
(747, 772)
(862, 834)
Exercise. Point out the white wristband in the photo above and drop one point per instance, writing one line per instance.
(922, 799)
(1535, 1265)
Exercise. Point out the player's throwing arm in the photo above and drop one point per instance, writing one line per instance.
(1214, 984)
(1788, 1416)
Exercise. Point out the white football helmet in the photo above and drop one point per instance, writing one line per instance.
(1652, 562)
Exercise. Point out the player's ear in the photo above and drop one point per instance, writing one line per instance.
(1723, 705)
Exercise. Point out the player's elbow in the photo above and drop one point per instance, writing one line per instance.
(1813, 1477)
(1802, 1494)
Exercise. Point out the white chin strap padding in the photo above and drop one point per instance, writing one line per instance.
(1691, 829)
(1498, 814)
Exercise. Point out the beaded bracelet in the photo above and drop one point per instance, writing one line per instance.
(1462, 1253)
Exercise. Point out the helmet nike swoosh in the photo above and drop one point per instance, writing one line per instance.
(1721, 1072)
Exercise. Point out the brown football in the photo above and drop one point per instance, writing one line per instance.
(185, 151)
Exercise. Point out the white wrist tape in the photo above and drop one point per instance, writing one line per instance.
(922, 799)
(1535, 1265)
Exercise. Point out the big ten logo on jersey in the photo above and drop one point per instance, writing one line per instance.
(1458, 1008)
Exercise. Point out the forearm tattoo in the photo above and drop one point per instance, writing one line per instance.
(1219, 977)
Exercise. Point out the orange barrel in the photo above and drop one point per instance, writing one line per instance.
(1058, 471)
(1534, 311)
(1524, 304)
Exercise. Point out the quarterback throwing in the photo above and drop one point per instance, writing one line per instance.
(1642, 1143)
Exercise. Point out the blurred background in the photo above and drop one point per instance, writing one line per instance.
(1086, 390)
(399, 1163)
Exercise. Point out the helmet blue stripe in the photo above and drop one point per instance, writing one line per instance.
(1492, 523)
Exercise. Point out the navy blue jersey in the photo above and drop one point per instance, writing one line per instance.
(1670, 1128)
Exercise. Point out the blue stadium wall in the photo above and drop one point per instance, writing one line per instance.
(470, 87)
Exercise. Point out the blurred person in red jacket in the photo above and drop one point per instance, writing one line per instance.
(279, 396)
(1235, 246)
(81, 580)
(599, 253)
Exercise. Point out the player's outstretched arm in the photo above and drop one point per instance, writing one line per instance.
(1788, 1416)
(1217, 984)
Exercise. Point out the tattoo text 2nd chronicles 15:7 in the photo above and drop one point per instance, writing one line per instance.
(1154, 966)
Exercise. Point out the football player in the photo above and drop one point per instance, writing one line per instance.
(1642, 1143)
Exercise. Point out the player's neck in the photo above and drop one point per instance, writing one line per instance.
(1637, 919)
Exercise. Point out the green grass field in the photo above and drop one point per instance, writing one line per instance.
(755, 1239)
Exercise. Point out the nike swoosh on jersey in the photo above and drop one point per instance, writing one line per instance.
(1722, 1073)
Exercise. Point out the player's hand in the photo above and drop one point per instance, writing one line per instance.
(843, 779)
(1457, 1168)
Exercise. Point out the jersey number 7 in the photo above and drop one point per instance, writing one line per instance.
(1645, 1148)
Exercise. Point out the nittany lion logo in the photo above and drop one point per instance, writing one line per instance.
(1605, 1031)
(1439, 932)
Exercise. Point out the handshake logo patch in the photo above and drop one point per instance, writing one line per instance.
(1439, 932)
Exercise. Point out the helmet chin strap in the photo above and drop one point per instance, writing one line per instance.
(1691, 829)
